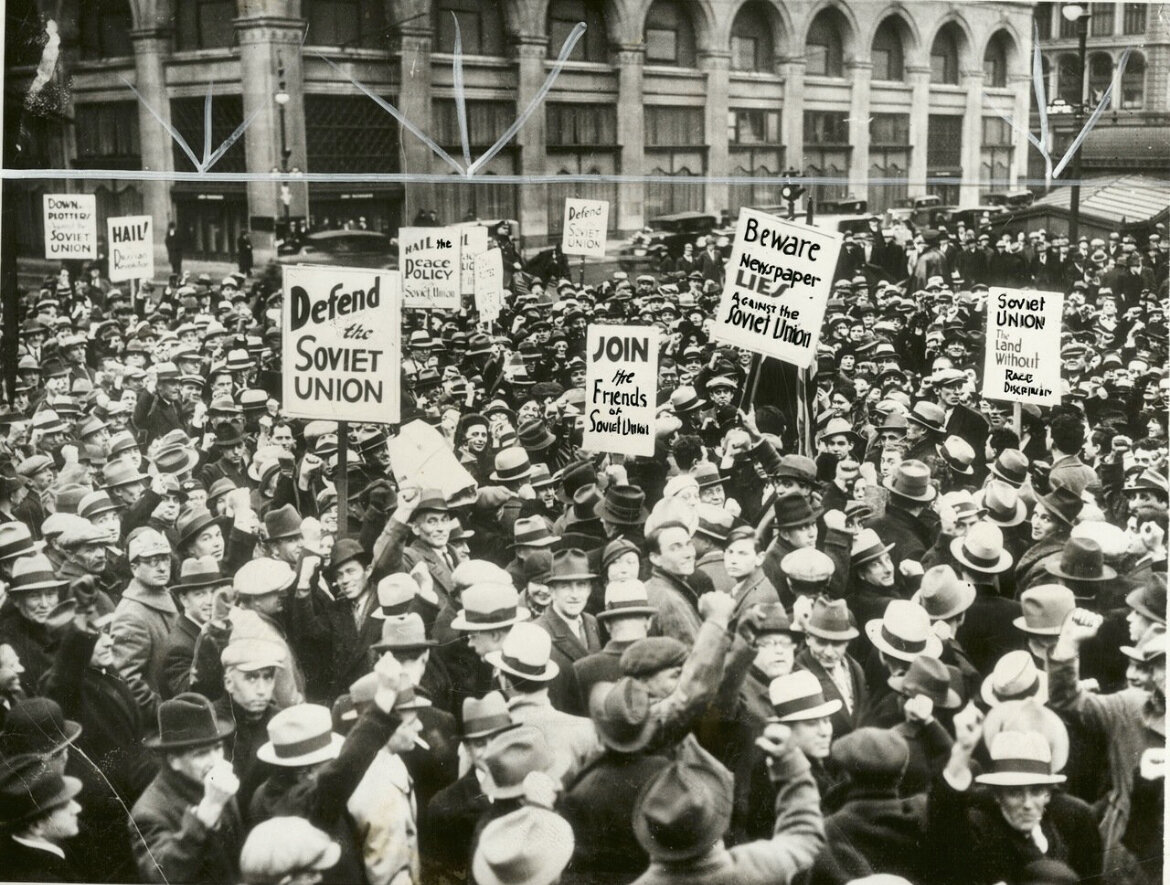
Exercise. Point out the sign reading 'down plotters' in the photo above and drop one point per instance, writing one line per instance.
(778, 281)
(621, 379)
(70, 226)
(1022, 358)
(586, 222)
(429, 258)
(131, 240)
(341, 344)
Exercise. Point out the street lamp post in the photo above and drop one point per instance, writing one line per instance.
(281, 99)
(1075, 12)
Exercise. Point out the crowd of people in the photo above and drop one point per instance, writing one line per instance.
(899, 632)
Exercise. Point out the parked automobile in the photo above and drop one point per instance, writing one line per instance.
(665, 233)
(344, 248)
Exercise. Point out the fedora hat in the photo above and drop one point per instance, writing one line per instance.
(911, 480)
(489, 606)
(187, 720)
(798, 696)
(529, 846)
(541, 477)
(626, 599)
(570, 565)
(894, 421)
(94, 504)
(1045, 606)
(1014, 678)
(193, 521)
(511, 756)
(300, 735)
(686, 399)
(830, 619)
(1018, 759)
(34, 572)
(958, 455)
(283, 522)
(1081, 560)
(707, 475)
(37, 725)
(532, 531)
(585, 501)
(616, 549)
(622, 716)
(197, 572)
(928, 676)
(792, 509)
(903, 632)
(347, 550)
(175, 460)
(431, 500)
(1029, 714)
(867, 546)
(1062, 503)
(797, 467)
(511, 464)
(395, 592)
(526, 653)
(943, 594)
(535, 436)
(869, 753)
(29, 788)
(120, 473)
(838, 427)
(485, 717)
(928, 415)
(1149, 600)
(622, 505)
(228, 435)
(683, 810)
(981, 549)
(1001, 503)
(16, 540)
(403, 633)
(1010, 465)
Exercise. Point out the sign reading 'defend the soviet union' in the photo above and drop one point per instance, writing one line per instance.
(341, 353)
(70, 226)
(429, 260)
(778, 282)
(1022, 355)
(621, 384)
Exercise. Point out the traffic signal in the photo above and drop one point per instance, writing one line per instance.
(790, 192)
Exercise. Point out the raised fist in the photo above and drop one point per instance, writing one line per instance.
(221, 784)
(775, 740)
(716, 606)
(919, 708)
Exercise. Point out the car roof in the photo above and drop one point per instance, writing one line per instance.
(682, 216)
(339, 234)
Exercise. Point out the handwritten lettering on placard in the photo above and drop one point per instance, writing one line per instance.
(586, 222)
(1022, 360)
(131, 242)
(620, 389)
(70, 226)
(430, 267)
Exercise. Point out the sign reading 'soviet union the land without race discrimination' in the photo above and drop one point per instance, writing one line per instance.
(777, 284)
(341, 344)
(1022, 352)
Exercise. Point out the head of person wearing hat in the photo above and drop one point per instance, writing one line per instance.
(264, 585)
(483, 719)
(1147, 607)
(798, 701)
(429, 518)
(945, 597)
(287, 850)
(871, 561)
(283, 539)
(570, 584)
(776, 643)
(198, 580)
(201, 533)
(1044, 608)
(795, 522)
(250, 666)
(488, 610)
(38, 816)
(85, 549)
(1054, 516)
(529, 846)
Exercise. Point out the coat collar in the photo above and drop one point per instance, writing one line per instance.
(157, 600)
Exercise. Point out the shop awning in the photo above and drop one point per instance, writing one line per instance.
(1127, 147)
(1135, 200)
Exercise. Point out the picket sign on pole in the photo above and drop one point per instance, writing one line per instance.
(1021, 361)
(70, 226)
(584, 231)
(621, 386)
(131, 243)
(431, 275)
(342, 483)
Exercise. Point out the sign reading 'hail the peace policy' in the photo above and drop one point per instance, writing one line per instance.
(341, 344)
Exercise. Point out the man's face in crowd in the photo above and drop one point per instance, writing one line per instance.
(35, 605)
(432, 528)
(251, 690)
(547, 495)
(740, 559)
(235, 454)
(838, 446)
(153, 571)
(775, 654)
(950, 395)
(1023, 807)
(168, 508)
(676, 554)
(879, 572)
(477, 438)
(713, 494)
(91, 557)
(721, 396)
(10, 669)
(483, 642)
(57, 385)
(221, 386)
(813, 736)
(800, 536)
(351, 579)
(1042, 524)
(569, 597)
(282, 436)
(209, 542)
(43, 479)
(197, 603)
(168, 391)
(195, 764)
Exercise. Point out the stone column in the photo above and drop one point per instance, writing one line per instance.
(631, 131)
(411, 48)
(919, 78)
(859, 74)
(270, 40)
(972, 82)
(151, 47)
(717, 65)
(1022, 84)
(531, 52)
(792, 114)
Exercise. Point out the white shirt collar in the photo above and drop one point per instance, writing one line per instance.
(39, 844)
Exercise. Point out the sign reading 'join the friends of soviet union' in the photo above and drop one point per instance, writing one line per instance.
(341, 344)
(778, 282)
(621, 384)
(1022, 353)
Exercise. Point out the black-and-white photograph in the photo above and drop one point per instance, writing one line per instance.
(519, 442)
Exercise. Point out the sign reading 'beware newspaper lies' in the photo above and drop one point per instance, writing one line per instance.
(778, 282)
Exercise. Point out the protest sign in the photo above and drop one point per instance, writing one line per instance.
(473, 241)
(131, 241)
(621, 387)
(419, 454)
(489, 284)
(778, 281)
(1021, 359)
(341, 330)
(429, 259)
(586, 222)
(70, 226)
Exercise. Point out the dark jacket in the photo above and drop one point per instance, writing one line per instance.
(911, 535)
(324, 634)
(844, 720)
(987, 632)
(179, 656)
(240, 749)
(564, 692)
(602, 666)
(31, 641)
(873, 832)
(22, 863)
(445, 837)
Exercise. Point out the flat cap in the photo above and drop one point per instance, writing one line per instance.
(652, 655)
(872, 752)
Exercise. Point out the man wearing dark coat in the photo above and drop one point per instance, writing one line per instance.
(40, 816)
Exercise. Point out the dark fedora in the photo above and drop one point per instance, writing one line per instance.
(176, 459)
(198, 572)
(928, 676)
(1011, 465)
(830, 619)
(227, 435)
(622, 505)
(284, 522)
(486, 716)
(622, 716)
(1150, 599)
(29, 788)
(192, 522)
(929, 415)
(911, 480)
(532, 531)
(37, 725)
(188, 720)
(683, 810)
(535, 436)
(1062, 503)
(570, 565)
(1081, 560)
(792, 509)
(347, 550)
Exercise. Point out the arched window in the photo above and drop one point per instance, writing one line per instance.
(825, 46)
(888, 58)
(995, 62)
(1100, 75)
(564, 15)
(751, 40)
(104, 28)
(1133, 82)
(346, 23)
(670, 35)
(944, 57)
(481, 27)
(1068, 79)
